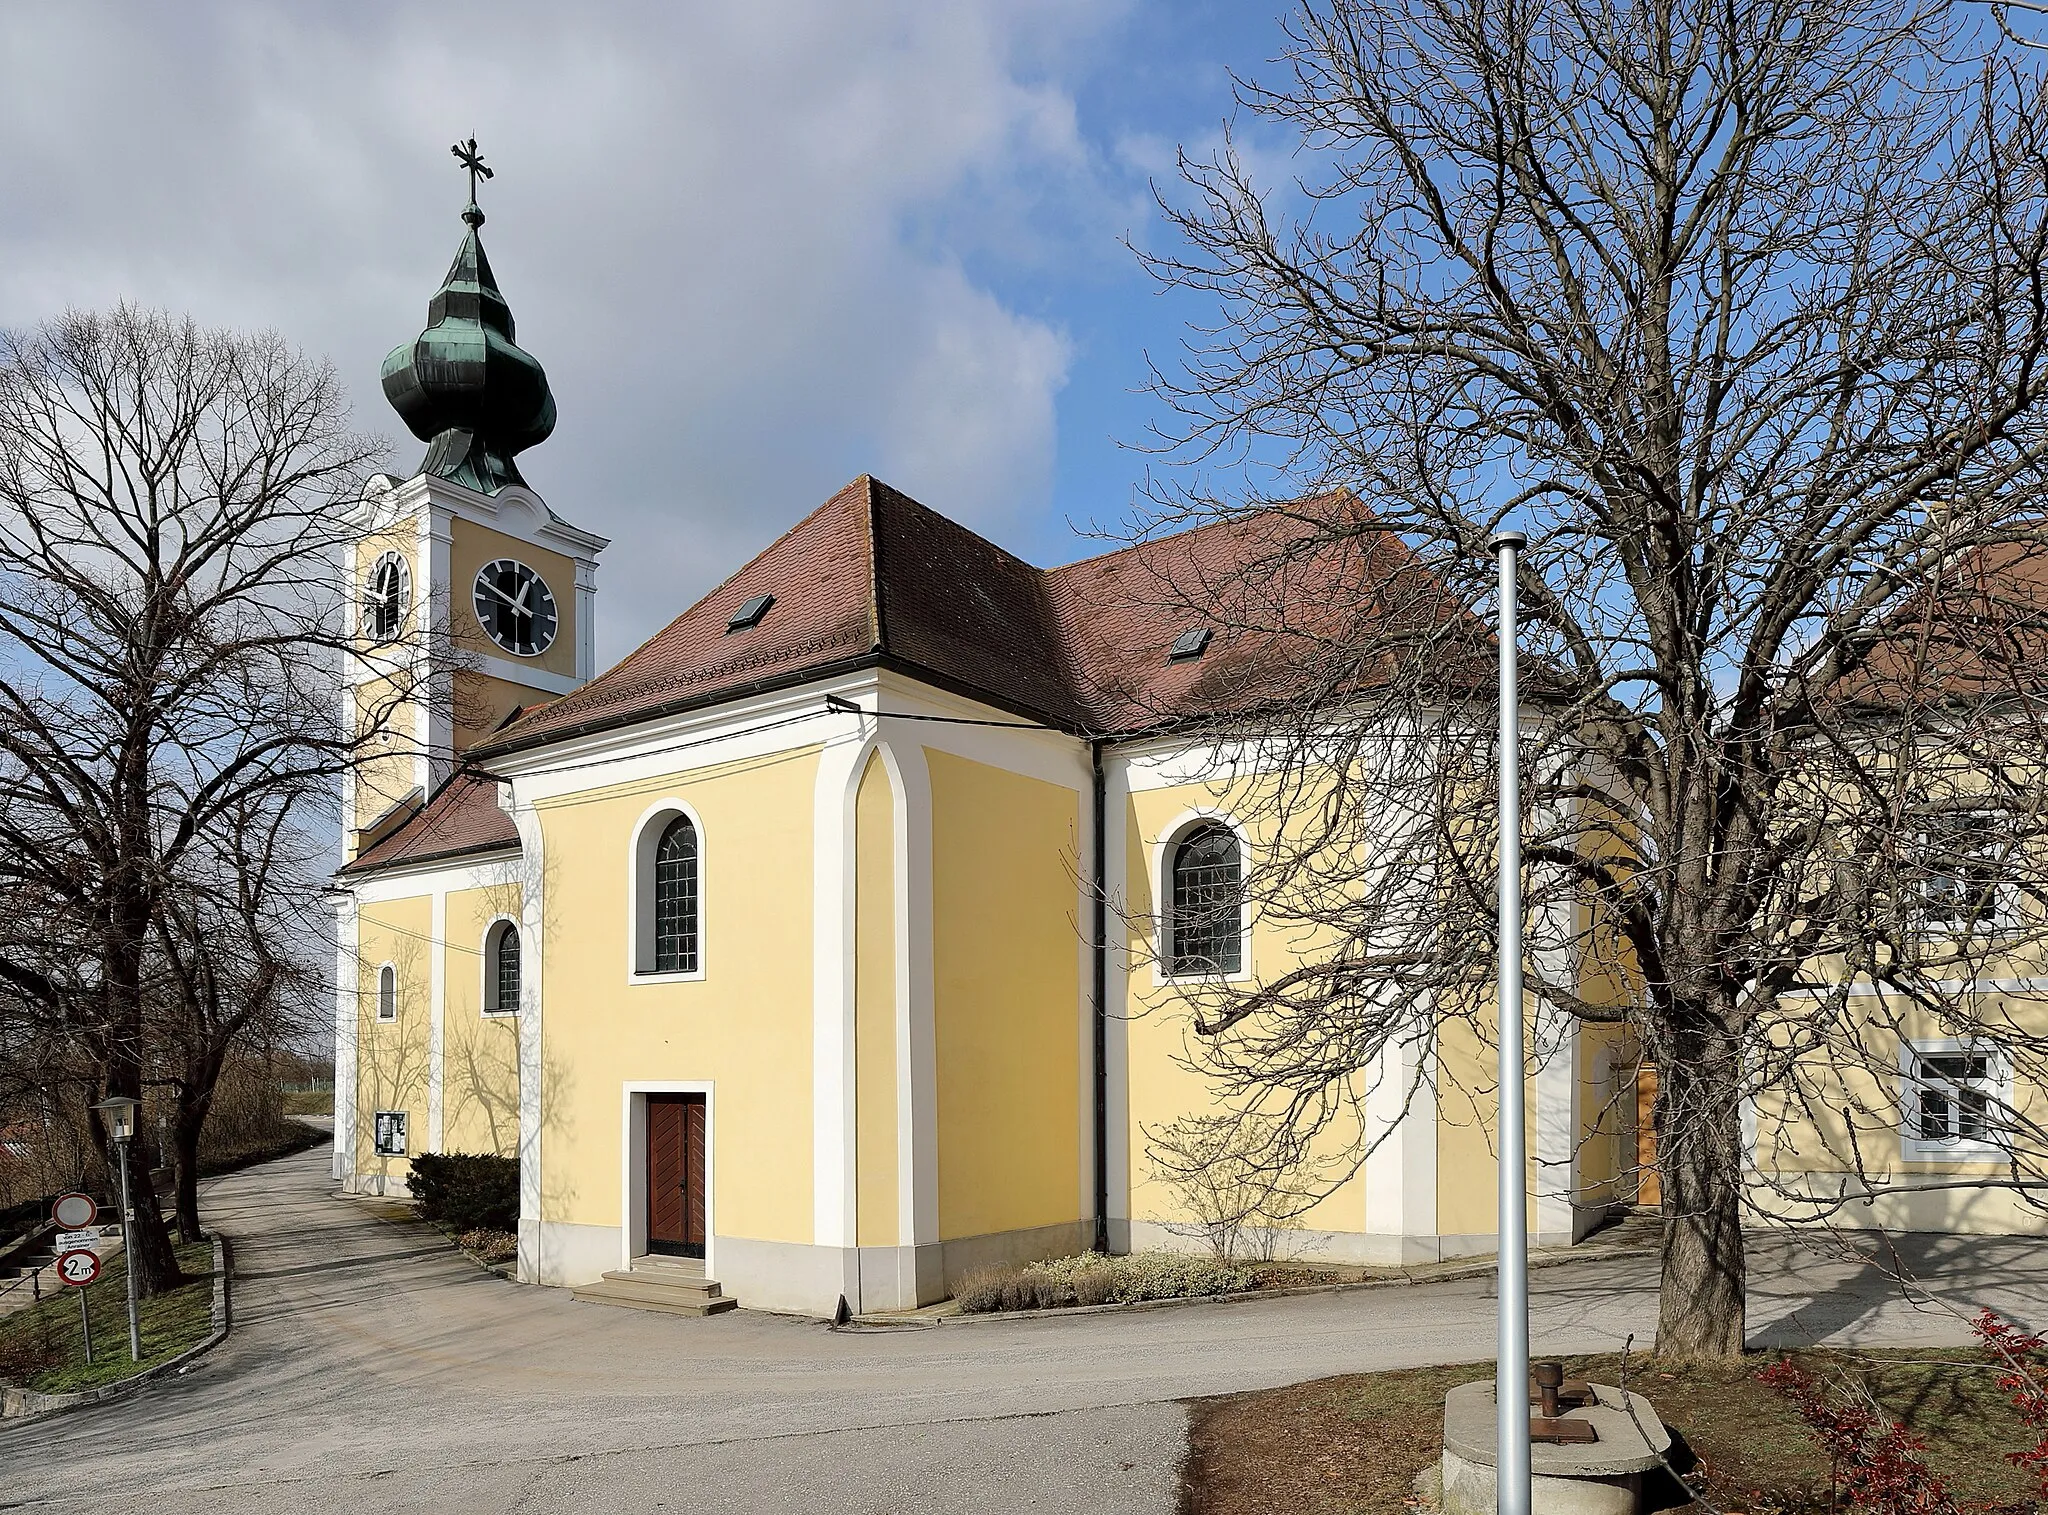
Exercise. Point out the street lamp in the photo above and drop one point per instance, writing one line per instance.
(119, 1112)
(1511, 1380)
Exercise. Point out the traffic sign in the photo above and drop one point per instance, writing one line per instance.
(78, 1268)
(74, 1212)
(78, 1241)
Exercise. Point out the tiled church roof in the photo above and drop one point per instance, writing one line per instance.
(874, 579)
(462, 817)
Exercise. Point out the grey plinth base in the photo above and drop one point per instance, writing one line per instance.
(1604, 1477)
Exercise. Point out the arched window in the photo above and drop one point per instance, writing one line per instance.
(501, 969)
(387, 993)
(675, 898)
(1204, 921)
(387, 597)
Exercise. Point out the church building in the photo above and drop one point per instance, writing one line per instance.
(827, 946)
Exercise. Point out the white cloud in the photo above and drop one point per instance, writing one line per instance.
(741, 237)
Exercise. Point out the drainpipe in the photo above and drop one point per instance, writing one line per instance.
(1100, 966)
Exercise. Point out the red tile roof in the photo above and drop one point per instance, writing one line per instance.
(462, 817)
(874, 579)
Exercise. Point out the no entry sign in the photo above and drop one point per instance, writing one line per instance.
(78, 1268)
(74, 1212)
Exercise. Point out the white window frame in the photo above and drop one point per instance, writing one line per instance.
(1162, 883)
(378, 1125)
(645, 840)
(489, 986)
(392, 1018)
(2004, 897)
(1997, 1086)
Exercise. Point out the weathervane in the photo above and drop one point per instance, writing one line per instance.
(467, 155)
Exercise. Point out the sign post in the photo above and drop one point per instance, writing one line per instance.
(78, 1254)
(1511, 1380)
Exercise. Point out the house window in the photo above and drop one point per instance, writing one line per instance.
(1952, 1097)
(1960, 884)
(387, 993)
(675, 898)
(1204, 927)
(390, 1133)
(501, 969)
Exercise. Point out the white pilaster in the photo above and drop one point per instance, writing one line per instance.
(532, 974)
(437, 1004)
(347, 1009)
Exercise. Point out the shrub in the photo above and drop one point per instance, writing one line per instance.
(489, 1246)
(982, 1291)
(466, 1191)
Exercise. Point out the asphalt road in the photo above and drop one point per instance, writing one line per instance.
(371, 1369)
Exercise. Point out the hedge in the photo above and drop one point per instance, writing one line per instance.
(467, 1191)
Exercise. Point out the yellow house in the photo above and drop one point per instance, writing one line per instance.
(806, 949)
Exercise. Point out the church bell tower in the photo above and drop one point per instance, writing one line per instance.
(477, 600)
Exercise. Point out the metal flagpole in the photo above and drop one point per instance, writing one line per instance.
(1511, 1380)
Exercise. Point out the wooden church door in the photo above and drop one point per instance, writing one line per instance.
(675, 1174)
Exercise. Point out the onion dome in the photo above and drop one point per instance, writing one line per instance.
(463, 386)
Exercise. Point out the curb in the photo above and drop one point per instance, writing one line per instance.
(27, 1404)
(911, 1322)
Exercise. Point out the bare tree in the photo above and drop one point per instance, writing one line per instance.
(171, 508)
(1740, 311)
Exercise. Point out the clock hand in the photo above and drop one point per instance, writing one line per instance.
(520, 603)
(494, 589)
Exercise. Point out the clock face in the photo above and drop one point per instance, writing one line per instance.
(515, 607)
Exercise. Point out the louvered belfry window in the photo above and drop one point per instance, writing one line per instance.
(675, 899)
(1204, 929)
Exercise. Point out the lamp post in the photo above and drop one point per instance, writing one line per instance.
(120, 1112)
(1511, 1380)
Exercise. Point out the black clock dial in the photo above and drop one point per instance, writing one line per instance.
(515, 607)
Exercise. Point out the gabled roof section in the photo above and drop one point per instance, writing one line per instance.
(871, 577)
(874, 579)
(462, 817)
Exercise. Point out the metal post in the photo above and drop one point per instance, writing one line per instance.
(1511, 1381)
(85, 1324)
(128, 1248)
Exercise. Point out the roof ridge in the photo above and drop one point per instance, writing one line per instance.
(880, 638)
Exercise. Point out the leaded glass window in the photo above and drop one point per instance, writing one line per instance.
(504, 968)
(675, 899)
(1204, 925)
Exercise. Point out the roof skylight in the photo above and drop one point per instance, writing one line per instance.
(1189, 645)
(749, 615)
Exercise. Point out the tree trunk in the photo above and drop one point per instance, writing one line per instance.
(185, 1160)
(1701, 1309)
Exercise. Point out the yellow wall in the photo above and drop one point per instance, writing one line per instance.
(1162, 1041)
(479, 1053)
(746, 1025)
(875, 1009)
(392, 1056)
(1007, 998)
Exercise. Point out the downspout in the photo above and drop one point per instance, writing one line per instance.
(1100, 967)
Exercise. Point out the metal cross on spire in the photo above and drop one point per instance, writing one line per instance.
(467, 155)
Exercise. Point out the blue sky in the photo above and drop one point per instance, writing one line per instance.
(759, 248)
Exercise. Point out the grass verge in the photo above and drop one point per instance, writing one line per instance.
(1352, 1446)
(42, 1348)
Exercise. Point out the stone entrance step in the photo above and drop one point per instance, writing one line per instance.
(672, 1286)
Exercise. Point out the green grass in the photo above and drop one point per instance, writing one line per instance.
(309, 1102)
(41, 1348)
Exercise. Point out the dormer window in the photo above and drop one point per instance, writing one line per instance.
(1189, 645)
(749, 615)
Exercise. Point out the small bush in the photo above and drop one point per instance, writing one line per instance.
(982, 1291)
(1094, 1286)
(466, 1191)
(489, 1246)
